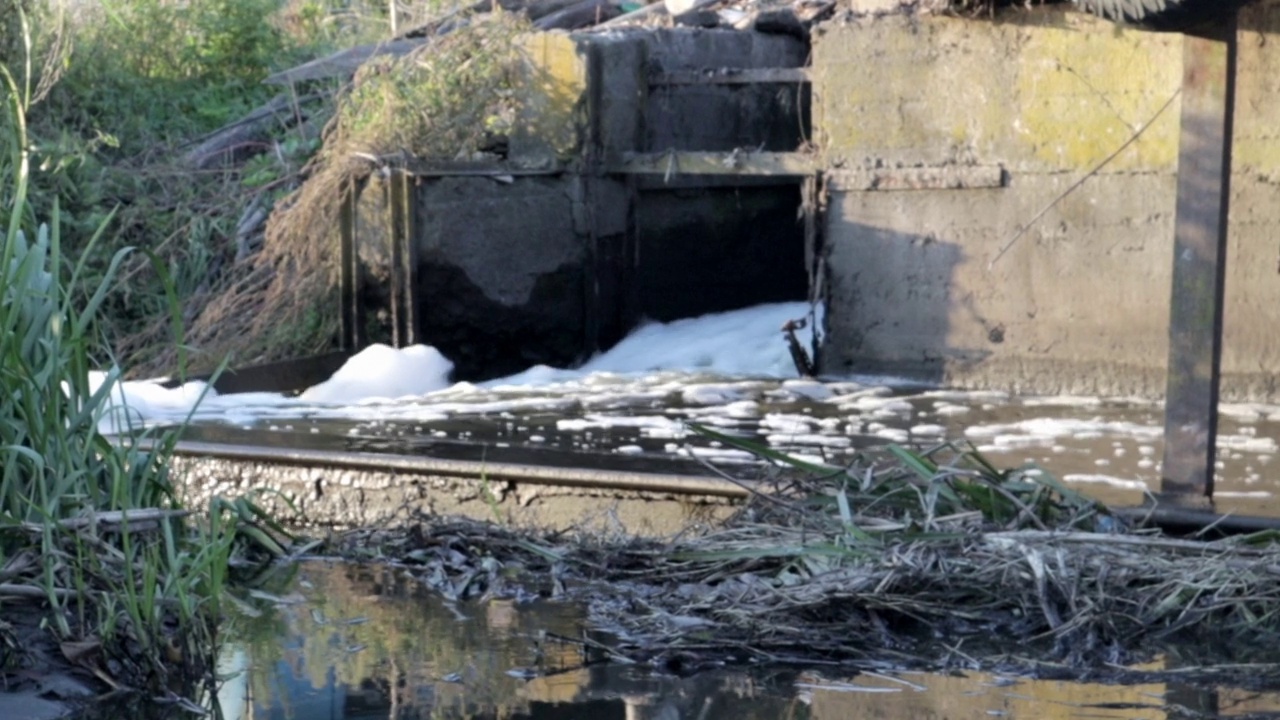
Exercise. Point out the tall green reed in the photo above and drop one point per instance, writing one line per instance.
(92, 521)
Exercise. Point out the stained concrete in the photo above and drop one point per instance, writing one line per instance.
(337, 498)
(552, 256)
(1079, 302)
(1054, 277)
(724, 117)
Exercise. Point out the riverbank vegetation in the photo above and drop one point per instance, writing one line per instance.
(128, 97)
(101, 568)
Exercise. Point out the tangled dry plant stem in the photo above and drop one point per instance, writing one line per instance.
(1033, 563)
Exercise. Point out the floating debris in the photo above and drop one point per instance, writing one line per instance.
(891, 554)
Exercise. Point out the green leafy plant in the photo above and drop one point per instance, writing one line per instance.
(91, 524)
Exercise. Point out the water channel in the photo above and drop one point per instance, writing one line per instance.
(630, 409)
(339, 641)
(348, 641)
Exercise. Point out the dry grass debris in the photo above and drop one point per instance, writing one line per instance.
(895, 554)
(440, 102)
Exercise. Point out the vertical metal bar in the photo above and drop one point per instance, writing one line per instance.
(394, 226)
(592, 171)
(348, 283)
(1199, 264)
(409, 228)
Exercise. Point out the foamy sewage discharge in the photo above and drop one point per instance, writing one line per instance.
(744, 342)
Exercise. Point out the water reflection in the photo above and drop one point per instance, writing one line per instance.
(343, 642)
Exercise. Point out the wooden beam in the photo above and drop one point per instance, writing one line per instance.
(675, 163)
(1199, 264)
(731, 76)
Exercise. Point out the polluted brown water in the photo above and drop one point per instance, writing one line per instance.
(634, 404)
(344, 641)
(1109, 448)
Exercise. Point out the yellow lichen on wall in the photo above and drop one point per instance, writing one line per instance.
(1047, 90)
(550, 123)
(1085, 87)
(1257, 132)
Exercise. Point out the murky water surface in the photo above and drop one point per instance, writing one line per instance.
(1110, 448)
(348, 641)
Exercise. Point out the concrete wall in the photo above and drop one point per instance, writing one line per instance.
(724, 117)
(707, 244)
(523, 269)
(1079, 303)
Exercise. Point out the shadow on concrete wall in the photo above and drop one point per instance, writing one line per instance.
(705, 250)
(889, 301)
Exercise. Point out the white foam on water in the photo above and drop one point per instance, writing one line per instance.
(1108, 480)
(717, 454)
(1247, 412)
(380, 371)
(972, 397)
(712, 394)
(728, 370)
(604, 422)
(928, 430)
(1241, 494)
(1247, 443)
(1072, 401)
(894, 435)
(738, 342)
(807, 389)
(809, 439)
(1048, 429)
(786, 423)
(945, 409)
(746, 342)
(878, 406)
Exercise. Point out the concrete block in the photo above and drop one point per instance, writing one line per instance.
(1079, 303)
(1038, 91)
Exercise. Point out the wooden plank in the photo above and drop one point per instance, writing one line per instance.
(730, 76)
(940, 177)
(344, 63)
(495, 170)
(672, 164)
(1199, 264)
(579, 15)
(401, 199)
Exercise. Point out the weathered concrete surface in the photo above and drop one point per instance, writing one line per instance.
(1079, 302)
(553, 110)
(499, 269)
(768, 117)
(522, 269)
(330, 497)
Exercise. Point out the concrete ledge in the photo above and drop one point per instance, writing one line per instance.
(335, 497)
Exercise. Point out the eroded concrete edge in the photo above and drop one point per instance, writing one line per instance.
(329, 497)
